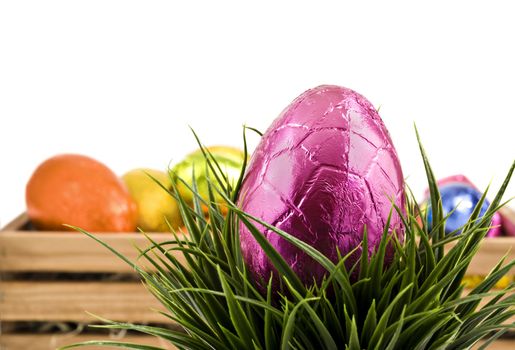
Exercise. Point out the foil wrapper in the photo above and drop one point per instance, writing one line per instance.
(230, 161)
(460, 196)
(508, 222)
(324, 170)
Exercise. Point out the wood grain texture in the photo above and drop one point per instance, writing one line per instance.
(70, 301)
(69, 252)
(491, 250)
(52, 341)
(74, 252)
(501, 344)
(31, 251)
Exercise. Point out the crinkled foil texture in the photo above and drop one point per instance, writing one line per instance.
(466, 205)
(324, 170)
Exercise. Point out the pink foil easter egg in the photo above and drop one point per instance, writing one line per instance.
(324, 170)
(508, 221)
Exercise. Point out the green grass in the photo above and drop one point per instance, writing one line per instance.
(416, 302)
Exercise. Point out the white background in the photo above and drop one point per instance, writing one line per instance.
(121, 80)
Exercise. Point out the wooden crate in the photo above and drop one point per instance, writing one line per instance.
(47, 254)
(24, 251)
(53, 341)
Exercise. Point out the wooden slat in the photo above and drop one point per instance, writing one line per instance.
(17, 223)
(69, 251)
(52, 341)
(501, 344)
(74, 252)
(491, 250)
(57, 301)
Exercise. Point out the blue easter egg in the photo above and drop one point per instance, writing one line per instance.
(461, 198)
